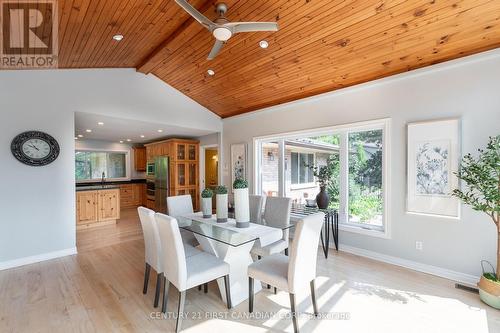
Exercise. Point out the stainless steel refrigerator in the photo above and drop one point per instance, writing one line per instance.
(161, 184)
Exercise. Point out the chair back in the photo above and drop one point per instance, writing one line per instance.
(277, 213)
(179, 205)
(173, 256)
(256, 205)
(303, 252)
(152, 244)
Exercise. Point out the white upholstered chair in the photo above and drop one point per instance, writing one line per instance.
(256, 204)
(276, 214)
(186, 272)
(292, 273)
(178, 206)
(152, 249)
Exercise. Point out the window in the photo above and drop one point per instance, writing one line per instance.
(301, 174)
(90, 165)
(355, 157)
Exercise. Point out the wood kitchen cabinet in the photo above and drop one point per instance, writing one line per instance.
(132, 195)
(97, 207)
(140, 158)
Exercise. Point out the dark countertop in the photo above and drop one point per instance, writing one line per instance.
(96, 187)
(132, 181)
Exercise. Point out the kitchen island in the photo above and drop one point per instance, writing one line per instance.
(97, 205)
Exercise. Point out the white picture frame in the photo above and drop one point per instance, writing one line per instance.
(238, 161)
(433, 155)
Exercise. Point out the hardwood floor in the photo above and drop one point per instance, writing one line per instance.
(100, 290)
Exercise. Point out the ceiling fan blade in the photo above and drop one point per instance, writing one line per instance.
(252, 26)
(215, 49)
(195, 13)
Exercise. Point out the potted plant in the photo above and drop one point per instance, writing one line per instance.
(206, 202)
(323, 174)
(221, 203)
(482, 177)
(241, 203)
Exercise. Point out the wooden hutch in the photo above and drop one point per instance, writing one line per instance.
(183, 165)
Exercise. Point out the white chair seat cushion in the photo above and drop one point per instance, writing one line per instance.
(204, 267)
(273, 248)
(272, 270)
(190, 251)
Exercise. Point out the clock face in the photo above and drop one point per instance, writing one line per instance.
(35, 148)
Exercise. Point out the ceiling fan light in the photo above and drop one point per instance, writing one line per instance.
(222, 34)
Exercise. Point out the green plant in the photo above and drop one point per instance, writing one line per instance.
(322, 173)
(221, 189)
(482, 177)
(207, 193)
(240, 183)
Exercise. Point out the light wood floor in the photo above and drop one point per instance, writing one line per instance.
(100, 290)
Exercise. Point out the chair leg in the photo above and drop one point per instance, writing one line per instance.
(165, 295)
(158, 288)
(199, 287)
(268, 286)
(259, 257)
(228, 292)
(205, 288)
(275, 290)
(146, 278)
(286, 252)
(250, 295)
(294, 314)
(313, 296)
(180, 311)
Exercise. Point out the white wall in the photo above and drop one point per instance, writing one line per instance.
(466, 88)
(112, 146)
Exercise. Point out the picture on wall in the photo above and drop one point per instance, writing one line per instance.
(433, 157)
(238, 161)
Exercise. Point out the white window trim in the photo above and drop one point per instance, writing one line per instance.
(383, 124)
(301, 185)
(96, 180)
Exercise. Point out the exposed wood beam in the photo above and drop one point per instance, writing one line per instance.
(160, 52)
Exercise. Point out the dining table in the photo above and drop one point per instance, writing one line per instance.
(233, 245)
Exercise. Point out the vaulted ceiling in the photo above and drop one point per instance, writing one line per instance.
(322, 45)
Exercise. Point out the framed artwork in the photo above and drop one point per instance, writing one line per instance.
(433, 157)
(238, 161)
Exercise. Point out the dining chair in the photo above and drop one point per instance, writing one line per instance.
(256, 205)
(178, 206)
(186, 272)
(293, 273)
(277, 215)
(152, 250)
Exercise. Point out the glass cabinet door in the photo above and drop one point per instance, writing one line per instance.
(192, 174)
(181, 174)
(192, 152)
(181, 151)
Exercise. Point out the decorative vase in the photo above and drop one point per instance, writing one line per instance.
(322, 199)
(206, 207)
(241, 207)
(489, 292)
(221, 207)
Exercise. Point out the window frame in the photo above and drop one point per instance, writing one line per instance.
(342, 130)
(300, 185)
(96, 180)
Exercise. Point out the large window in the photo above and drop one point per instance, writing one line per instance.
(90, 165)
(355, 157)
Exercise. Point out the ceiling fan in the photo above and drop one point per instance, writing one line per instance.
(221, 28)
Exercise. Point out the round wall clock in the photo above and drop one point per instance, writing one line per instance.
(35, 148)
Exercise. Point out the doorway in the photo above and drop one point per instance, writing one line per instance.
(209, 168)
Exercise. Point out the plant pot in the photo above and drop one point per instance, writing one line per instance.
(241, 208)
(221, 207)
(322, 199)
(489, 292)
(206, 207)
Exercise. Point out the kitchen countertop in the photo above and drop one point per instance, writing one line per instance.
(132, 181)
(96, 187)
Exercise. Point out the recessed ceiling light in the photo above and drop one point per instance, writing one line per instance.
(88, 130)
(142, 135)
(121, 141)
(100, 123)
(80, 136)
(128, 140)
(160, 130)
(263, 44)
(211, 72)
(118, 37)
(76, 138)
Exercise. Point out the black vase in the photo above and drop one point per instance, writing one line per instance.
(322, 199)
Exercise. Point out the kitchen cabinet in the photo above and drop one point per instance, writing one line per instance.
(132, 195)
(140, 159)
(97, 207)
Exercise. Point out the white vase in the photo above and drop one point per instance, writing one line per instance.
(221, 207)
(241, 207)
(206, 207)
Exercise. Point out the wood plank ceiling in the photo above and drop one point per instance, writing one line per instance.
(322, 45)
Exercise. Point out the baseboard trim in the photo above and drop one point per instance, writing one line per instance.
(466, 279)
(37, 258)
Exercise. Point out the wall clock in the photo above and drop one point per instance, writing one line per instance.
(35, 148)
